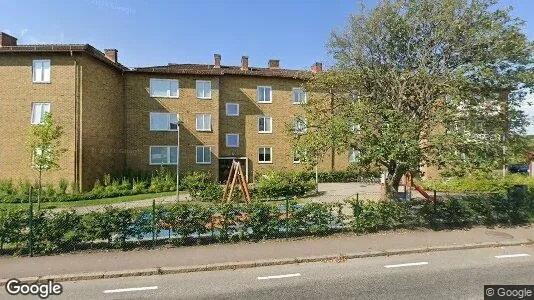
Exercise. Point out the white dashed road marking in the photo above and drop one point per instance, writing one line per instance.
(512, 255)
(279, 276)
(407, 265)
(131, 289)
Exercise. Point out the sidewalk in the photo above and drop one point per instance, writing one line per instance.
(229, 256)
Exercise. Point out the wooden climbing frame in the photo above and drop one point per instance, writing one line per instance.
(236, 174)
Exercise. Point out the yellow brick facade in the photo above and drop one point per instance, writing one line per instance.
(105, 112)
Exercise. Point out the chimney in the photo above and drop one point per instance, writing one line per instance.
(217, 61)
(244, 62)
(6, 40)
(274, 64)
(112, 54)
(317, 67)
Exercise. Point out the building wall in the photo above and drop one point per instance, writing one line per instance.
(16, 97)
(243, 90)
(102, 113)
(139, 138)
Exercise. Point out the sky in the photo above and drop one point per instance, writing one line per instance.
(158, 32)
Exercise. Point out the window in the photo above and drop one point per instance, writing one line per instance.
(203, 89)
(163, 122)
(164, 88)
(163, 155)
(265, 155)
(203, 122)
(299, 96)
(39, 110)
(354, 96)
(296, 157)
(41, 70)
(264, 94)
(203, 155)
(353, 155)
(232, 140)
(232, 109)
(265, 124)
(354, 127)
(299, 126)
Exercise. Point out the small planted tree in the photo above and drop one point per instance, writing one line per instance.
(45, 148)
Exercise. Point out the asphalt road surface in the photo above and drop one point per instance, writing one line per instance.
(437, 275)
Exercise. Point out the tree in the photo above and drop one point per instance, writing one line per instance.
(423, 82)
(45, 147)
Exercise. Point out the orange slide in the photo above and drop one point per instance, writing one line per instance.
(419, 188)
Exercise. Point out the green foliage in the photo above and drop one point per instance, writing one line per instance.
(202, 187)
(425, 80)
(11, 226)
(488, 183)
(186, 223)
(63, 185)
(275, 184)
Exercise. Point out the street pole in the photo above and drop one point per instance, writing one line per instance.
(178, 162)
(316, 179)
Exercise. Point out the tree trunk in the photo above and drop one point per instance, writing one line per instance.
(39, 191)
(394, 182)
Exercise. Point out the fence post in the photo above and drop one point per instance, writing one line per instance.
(153, 222)
(287, 216)
(30, 220)
(357, 197)
(435, 196)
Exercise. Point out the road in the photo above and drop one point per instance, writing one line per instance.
(457, 274)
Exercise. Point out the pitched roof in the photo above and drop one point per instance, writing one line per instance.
(205, 69)
(86, 48)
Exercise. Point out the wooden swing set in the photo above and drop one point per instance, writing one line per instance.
(236, 174)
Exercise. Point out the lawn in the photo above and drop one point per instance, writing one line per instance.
(103, 201)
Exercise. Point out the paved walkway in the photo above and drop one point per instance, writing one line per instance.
(116, 261)
(328, 193)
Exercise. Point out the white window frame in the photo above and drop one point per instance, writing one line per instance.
(42, 75)
(294, 125)
(226, 140)
(202, 148)
(296, 157)
(231, 104)
(168, 91)
(168, 121)
(202, 83)
(304, 101)
(264, 87)
(270, 124)
(41, 117)
(203, 120)
(270, 152)
(354, 155)
(168, 155)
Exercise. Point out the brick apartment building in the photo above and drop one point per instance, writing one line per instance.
(117, 118)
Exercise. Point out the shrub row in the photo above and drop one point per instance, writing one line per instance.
(179, 224)
(187, 223)
(275, 184)
(162, 180)
(456, 212)
(479, 184)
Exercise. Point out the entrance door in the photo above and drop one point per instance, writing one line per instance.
(226, 163)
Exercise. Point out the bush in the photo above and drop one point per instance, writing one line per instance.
(479, 184)
(12, 223)
(274, 184)
(202, 187)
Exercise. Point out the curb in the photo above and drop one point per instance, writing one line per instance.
(259, 263)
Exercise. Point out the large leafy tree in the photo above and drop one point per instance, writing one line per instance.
(423, 82)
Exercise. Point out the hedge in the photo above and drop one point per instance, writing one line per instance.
(187, 223)
(497, 184)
